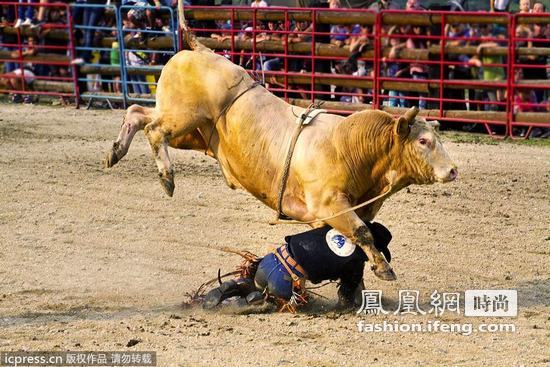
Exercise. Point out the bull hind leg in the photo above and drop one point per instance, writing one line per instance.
(135, 119)
(164, 130)
(158, 140)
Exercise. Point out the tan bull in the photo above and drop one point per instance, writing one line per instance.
(337, 163)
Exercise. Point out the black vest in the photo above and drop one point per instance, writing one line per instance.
(326, 257)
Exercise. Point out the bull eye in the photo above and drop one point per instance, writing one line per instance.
(423, 141)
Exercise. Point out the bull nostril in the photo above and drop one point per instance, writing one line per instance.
(453, 173)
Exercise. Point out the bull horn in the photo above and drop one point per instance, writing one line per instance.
(434, 124)
(411, 114)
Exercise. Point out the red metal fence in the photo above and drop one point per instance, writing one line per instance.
(459, 67)
(22, 47)
(489, 69)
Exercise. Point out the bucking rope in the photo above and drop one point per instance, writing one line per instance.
(365, 203)
(286, 168)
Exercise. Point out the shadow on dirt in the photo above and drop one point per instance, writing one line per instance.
(84, 313)
(534, 293)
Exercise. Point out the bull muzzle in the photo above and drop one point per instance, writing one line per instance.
(445, 173)
(453, 174)
(449, 175)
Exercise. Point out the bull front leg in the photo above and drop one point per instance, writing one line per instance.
(351, 226)
(381, 268)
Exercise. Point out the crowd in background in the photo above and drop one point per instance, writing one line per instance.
(358, 38)
(145, 23)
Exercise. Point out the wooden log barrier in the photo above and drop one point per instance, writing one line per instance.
(53, 86)
(321, 49)
(44, 57)
(363, 18)
(533, 117)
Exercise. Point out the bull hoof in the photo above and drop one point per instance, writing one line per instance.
(167, 182)
(384, 271)
(111, 159)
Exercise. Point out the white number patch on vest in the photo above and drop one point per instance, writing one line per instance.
(339, 244)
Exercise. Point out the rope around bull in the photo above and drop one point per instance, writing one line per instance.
(389, 187)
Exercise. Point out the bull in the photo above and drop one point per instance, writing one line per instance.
(203, 101)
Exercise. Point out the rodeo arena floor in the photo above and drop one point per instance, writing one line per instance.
(101, 259)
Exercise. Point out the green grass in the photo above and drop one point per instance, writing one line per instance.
(476, 138)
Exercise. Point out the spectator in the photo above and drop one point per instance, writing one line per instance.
(114, 57)
(537, 63)
(138, 82)
(91, 16)
(490, 71)
(273, 64)
(359, 38)
(25, 12)
(8, 17)
(361, 71)
(268, 34)
(339, 35)
(380, 5)
(294, 64)
(525, 101)
(412, 5)
(15, 81)
(55, 17)
(299, 34)
(344, 68)
(459, 36)
(22, 77)
(321, 66)
(499, 5)
(246, 61)
(225, 28)
(538, 7)
(42, 14)
(139, 16)
(271, 32)
(259, 4)
(396, 69)
(419, 71)
(524, 6)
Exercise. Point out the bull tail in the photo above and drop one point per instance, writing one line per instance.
(190, 37)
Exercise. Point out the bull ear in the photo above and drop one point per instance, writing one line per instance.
(401, 127)
(403, 124)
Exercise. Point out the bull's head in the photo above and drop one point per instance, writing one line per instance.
(423, 153)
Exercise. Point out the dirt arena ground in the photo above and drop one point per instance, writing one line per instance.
(92, 258)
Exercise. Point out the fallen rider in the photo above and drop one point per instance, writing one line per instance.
(316, 255)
